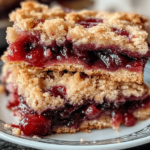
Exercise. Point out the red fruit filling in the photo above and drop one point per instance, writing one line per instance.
(58, 91)
(117, 118)
(121, 32)
(92, 112)
(129, 120)
(13, 101)
(14, 125)
(111, 58)
(35, 123)
(88, 23)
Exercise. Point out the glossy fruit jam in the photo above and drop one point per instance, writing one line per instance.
(72, 116)
(88, 23)
(111, 57)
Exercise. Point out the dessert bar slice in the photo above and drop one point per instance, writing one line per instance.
(112, 45)
(49, 102)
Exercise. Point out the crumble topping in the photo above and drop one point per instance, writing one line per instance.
(33, 84)
(136, 25)
(31, 10)
(54, 24)
(16, 131)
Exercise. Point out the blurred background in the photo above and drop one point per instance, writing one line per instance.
(136, 6)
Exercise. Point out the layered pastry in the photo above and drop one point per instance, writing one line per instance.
(63, 102)
(112, 45)
(75, 71)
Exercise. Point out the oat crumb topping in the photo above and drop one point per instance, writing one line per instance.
(16, 131)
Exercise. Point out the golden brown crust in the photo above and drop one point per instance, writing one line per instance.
(120, 75)
(56, 22)
(31, 10)
(102, 122)
(33, 83)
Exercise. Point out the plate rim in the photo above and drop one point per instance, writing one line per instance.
(47, 146)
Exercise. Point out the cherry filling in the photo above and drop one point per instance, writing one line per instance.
(35, 124)
(58, 91)
(111, 58)
(13, 101)
(72, 116)
(88, 23)
(121, 32)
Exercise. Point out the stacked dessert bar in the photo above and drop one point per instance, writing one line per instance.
(68, 72)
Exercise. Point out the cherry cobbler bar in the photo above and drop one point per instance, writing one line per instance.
(49, 102)
(74, 71)
(112, 45)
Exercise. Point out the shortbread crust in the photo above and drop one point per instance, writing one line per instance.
(120, 75)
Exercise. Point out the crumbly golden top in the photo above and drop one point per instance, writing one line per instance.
(136, 25)
(56, 25)
(33, 11)
(33, 84)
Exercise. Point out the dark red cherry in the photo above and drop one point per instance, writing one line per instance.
(35, 125)
(117, 118)
(92, 112)
(121, 32)
(16, 52)
(35, 56)
(129, 120)
(67, 111)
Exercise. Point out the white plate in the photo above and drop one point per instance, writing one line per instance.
(98, 139)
